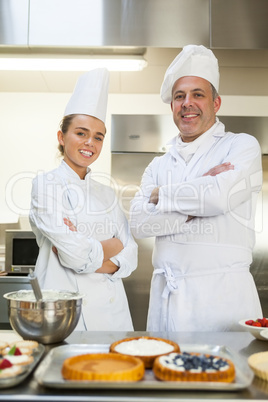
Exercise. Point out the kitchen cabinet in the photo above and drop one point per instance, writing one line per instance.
(14, 22)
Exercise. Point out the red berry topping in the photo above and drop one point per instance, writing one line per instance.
(14, 351)
(5, 364)
(17, 352)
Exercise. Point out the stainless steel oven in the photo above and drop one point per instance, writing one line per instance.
(21, 251)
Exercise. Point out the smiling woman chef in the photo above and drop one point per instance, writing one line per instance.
(84, 238)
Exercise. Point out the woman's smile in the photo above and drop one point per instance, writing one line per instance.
(85, 153)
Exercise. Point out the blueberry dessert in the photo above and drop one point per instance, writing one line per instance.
(193, 367)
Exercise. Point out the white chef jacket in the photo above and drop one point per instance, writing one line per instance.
(201, 279)
(93, 209)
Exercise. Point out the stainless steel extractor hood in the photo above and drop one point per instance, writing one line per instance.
(240, 24)
(113, 23)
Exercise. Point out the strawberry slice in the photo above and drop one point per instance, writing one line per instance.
(14, 351)
(5, 364)
(17, 352)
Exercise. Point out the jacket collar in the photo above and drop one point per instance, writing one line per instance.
(70, 173)
(217, 130)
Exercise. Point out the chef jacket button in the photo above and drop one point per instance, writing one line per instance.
(111, 300)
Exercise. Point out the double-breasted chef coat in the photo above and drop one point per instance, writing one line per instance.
(93, 208)
(201, 279)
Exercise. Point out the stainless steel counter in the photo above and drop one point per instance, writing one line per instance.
(241, 342)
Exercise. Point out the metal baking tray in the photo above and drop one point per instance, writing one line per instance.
(48, 372)
(27, 369)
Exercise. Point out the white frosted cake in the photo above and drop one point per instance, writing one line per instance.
(146, 348)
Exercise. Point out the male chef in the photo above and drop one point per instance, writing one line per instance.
(198, 200)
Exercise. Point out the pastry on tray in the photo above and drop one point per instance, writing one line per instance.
(7, 369)
(20, 360)
(16, 356)
(3, 345)
(29, 344)
(103, 367)
(258, 362)
(194, 367)
(22, 351)
(145, 347)
(16, 359)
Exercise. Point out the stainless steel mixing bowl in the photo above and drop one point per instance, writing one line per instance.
(50, 320)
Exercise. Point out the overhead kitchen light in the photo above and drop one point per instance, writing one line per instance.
(112, 63)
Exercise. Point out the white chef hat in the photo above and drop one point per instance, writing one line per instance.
(195, 61)
(90, 94)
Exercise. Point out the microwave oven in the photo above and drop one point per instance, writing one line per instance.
(21, 251)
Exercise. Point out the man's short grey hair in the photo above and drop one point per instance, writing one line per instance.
(214, 92)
